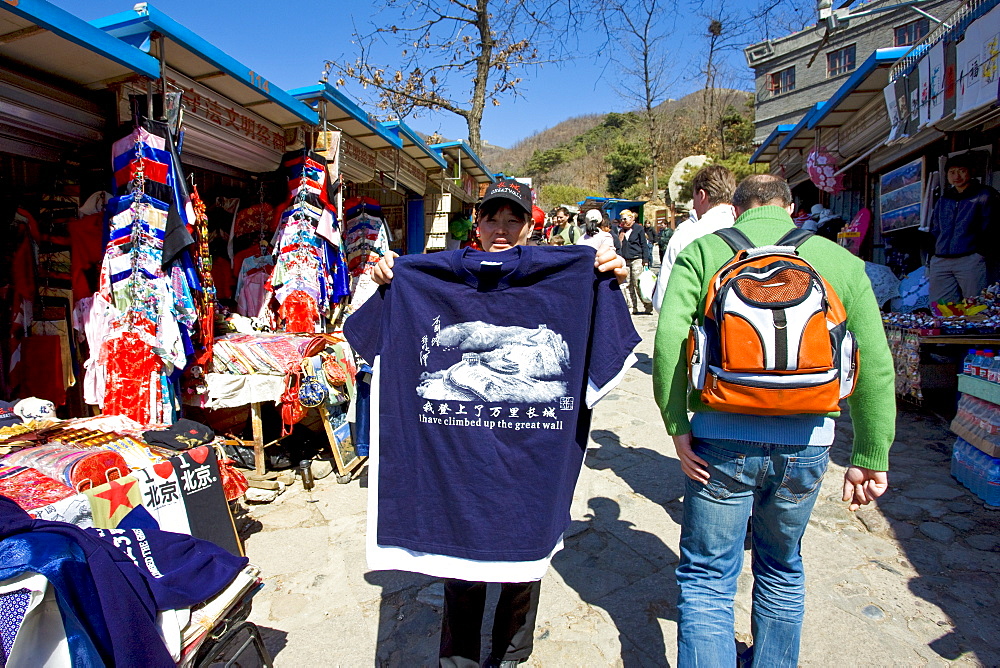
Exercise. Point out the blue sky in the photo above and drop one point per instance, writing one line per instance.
(287, 42)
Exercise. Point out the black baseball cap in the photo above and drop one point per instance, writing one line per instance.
(509, 189)
(965, 160)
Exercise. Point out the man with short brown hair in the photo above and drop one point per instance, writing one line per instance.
(764, 465)
(712, 194)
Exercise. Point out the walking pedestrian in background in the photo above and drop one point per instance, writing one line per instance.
(712, 195)
(634, 248)
(593, 234)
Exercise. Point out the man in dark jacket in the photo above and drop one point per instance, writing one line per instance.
(662, 239)
(631, 244)
(964, 230)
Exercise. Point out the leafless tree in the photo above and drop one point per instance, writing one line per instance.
(777, 18)
(455, 55)
(637, 34)
(726, 30)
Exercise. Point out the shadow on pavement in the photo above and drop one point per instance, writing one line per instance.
(274, 640)
(409, 618)
(648, 472)
(645, 363)
(626, 572)
(943, 530)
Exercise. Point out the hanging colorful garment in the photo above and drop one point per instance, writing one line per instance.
(133, 372)
(151, 144)
(299, 313)
(308, 257)
(206, 305)
(148, 276)
(251, 290)
(366, 241)
(26, 238)
(94, 317)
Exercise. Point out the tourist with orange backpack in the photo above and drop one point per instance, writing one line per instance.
(763, 330)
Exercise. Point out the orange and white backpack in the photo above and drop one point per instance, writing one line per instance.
(774, 340)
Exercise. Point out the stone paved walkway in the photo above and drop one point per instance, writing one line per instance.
(910, 582)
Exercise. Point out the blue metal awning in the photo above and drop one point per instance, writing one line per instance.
(195, 58)
(867, 81)
(768, 149)
(800, 136)
(46, 38)
(473, 166)
(415, 147)
(344, 113)
(613, 206)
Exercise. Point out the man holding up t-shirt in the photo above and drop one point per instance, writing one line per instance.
(494, 360)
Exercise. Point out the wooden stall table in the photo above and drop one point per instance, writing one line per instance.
(235, 391)
(238, 391)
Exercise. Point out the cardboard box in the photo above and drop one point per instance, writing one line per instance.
(975, 439)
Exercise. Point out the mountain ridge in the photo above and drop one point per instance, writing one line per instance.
(580, 152)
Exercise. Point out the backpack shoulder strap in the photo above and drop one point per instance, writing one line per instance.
(736, 239)
(795, 238)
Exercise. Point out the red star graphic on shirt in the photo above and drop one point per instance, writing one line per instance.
(117, 495)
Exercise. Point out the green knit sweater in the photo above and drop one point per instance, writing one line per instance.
(873, 404)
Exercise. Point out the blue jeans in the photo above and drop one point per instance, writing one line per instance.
(778, 485)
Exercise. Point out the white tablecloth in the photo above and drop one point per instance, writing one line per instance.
(229, 391)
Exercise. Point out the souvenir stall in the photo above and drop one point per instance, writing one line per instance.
(928, 340)
(457, 188)
(55, 109)
(291, 293)
(150, 314)
(415, 168)
(137, 479)
(973, 326)
(109, 305)
(366, 170)
(131, 493)
(925, 130)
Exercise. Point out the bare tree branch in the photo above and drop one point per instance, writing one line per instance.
(457, 56)
(637, 35)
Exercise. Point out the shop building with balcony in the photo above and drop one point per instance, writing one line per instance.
(795, 72)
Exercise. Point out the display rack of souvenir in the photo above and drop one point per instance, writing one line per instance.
(979, 316)
(310, 277)
(905, 348)
(367, 241)
(152, 308)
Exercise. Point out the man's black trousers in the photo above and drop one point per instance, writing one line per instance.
(513, 623)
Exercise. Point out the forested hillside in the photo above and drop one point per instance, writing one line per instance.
(609, 154)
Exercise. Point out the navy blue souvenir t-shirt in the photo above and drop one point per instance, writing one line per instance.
(485, 364)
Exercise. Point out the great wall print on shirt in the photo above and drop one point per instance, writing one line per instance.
(494, 376)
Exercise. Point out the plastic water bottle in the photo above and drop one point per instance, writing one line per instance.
(984, 366)
(993, 375)
(978, 414)
(991, 425)
(977, 359)
(977, 471)
(962, 410)
(967, 362)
